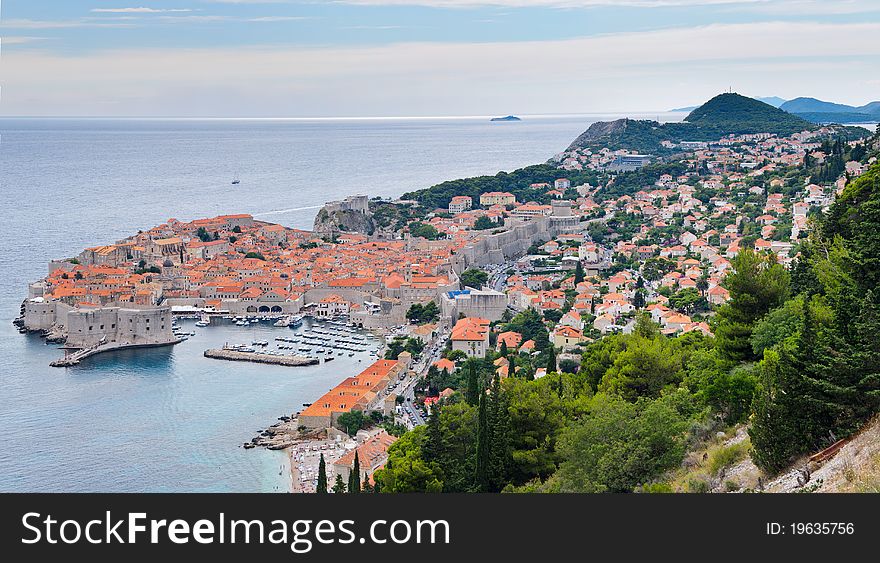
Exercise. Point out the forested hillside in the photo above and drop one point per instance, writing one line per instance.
(517, 182)
(795, 357)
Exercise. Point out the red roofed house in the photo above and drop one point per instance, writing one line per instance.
(471, 336)
(510, 338)
(567, 336)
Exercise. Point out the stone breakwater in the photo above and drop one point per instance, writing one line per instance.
(260, 358)
(77, 356)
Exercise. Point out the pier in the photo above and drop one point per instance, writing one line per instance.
(74, 355)
(259, 357)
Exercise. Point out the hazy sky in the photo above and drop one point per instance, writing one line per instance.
(427, 57)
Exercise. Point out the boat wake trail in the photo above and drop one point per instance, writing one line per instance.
(283, 211)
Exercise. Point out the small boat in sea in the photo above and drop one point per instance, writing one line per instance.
(235, 180)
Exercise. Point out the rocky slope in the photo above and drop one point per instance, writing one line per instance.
(340, 220)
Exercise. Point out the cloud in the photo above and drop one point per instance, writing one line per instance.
(271, 19)
(56, 24)
(195, 18)
(626, 71)
(371, 27)
(140, 10)
(18, 40)
(535, 3)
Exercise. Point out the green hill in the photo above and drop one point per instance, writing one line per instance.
(731, 113)
(723, 115)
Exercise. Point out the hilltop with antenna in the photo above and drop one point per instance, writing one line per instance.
(725, 114)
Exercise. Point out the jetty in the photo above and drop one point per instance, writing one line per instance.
(259, 357)
(74, 355)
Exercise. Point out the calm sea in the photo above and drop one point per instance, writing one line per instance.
(169, 419)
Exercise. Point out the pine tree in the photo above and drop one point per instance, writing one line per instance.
(472, 394)
(322, 476)
(807, 391)
(481, 472)
(774, 431)
(338, 485)
(757, 285)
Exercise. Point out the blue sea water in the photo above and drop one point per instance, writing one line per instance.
(168, 419)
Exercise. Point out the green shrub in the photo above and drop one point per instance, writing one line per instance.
(696, 485)
(726, 456)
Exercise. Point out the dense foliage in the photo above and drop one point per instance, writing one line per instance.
(421, 314)
(517, 182)
(820, 371)
(474, 278)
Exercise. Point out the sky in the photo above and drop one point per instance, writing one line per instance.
(345, 58)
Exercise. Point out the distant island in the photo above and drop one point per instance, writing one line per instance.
(506, 118)
(819, 111)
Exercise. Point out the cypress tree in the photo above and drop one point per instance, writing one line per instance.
(472, 394)
(354, 477)
(499, 446)
(322, 476)
(481, 472)
(432, 447)
(433, 376)
(551, 359)
(503, 350)
(578, 273)
(338, 485)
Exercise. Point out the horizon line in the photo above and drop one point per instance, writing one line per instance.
(338, 118)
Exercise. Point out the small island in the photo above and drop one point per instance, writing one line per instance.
(506, 118)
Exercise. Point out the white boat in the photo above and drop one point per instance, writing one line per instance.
(202, 323)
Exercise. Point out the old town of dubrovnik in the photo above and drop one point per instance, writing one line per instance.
(516, 276)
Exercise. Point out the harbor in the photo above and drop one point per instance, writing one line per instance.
(306, 340)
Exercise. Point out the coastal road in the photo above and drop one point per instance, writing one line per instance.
(434, 350)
